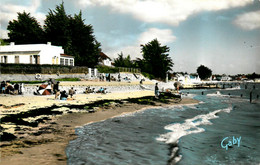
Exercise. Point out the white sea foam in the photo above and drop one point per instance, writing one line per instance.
(217, 94)
(234, 88)
(189, 126)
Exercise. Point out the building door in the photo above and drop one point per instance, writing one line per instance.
(5, 59)
(36, 59)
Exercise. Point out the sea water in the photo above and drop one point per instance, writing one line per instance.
(204, 133)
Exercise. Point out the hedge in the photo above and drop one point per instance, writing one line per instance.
(43, 69)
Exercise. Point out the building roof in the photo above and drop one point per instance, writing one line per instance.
(103, 56)
(65, 55)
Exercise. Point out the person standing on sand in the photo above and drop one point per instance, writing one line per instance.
(56, 87)
(71, 92)
(57, 94)
(156, 90)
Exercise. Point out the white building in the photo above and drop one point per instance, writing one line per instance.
(105, 60)
(226, 78)
(34, 54)
(188, 79)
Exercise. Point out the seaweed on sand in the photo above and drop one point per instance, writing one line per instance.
(18, 118)
(4, 136)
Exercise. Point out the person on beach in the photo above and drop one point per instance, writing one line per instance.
(3, 87)
(57, 94)
(63, 95)
(156, 90)
(101, 90)
(119, 77)
(20, 90)
(56, 87)
(16, 88)
(71, 92)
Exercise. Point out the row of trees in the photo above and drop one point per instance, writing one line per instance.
(61, 29)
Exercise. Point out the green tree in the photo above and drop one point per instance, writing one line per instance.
(25, 30)
(156, 60)
(120, 61)
(56, 27)
(73, 35)
(83, 44)
(204, 72)
(3, 42)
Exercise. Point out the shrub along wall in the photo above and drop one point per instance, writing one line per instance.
(43, 69)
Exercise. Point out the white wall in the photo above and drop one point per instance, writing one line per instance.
(107, 62)
(48, 52)
(24, 59)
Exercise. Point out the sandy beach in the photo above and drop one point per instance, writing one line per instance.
(46, 143)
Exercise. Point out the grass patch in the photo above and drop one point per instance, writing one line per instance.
(68, 79)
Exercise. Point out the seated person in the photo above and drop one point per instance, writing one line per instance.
(63, 95)
(101, 90)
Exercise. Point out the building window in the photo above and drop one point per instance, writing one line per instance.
(66, 62)
(62, 61)
(16, 59)
(71, 62)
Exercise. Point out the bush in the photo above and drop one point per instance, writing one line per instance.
(107, 69)
(150, 76)
(43, 69)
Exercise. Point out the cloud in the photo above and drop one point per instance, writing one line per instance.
(171, 12)
(164, 36)
(248, 21)
(8, 12)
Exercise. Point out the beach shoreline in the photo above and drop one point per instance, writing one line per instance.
(46, 144)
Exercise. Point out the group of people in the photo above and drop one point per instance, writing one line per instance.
(8, 88)
(105, 77)
(63, 95)
(100, 90)
(108, 77)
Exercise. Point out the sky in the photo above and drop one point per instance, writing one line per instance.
(223, 35)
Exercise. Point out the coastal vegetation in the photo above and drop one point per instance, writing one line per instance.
(204, 72)
(155, 62)
(43, 69)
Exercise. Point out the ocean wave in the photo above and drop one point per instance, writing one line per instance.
(190, 126)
